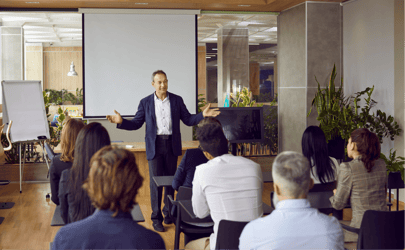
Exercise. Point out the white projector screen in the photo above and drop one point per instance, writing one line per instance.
(121, 51)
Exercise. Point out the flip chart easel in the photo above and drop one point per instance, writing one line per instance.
(23, 103)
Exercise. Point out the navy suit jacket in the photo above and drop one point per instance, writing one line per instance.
(146, 113)
(102, 231)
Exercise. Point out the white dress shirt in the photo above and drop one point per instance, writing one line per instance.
(163, 116)
(293, 225)
(227, 187)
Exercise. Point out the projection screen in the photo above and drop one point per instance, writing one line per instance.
(121, 51)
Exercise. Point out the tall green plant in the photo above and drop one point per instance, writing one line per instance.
(243, 98)
(328, 103)
(339, 115)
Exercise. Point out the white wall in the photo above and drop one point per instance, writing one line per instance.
(369, 54)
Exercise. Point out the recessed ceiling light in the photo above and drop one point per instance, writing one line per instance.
(32, 2)
(244, 5)
(142, 3)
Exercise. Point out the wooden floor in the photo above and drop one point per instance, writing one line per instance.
(27, 224)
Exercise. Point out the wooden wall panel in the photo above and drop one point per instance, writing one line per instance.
(254, 78)
(33, 63)
(57, 62)
(202, 71)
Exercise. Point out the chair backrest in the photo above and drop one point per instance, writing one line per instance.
(382, 230)
(185, 193)
(228, 234)
(49, 151)
(329, 186)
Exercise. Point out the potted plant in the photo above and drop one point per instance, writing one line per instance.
(339, 115)
(395, 169)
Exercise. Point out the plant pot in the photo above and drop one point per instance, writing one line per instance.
(336, 148)
(395, 181)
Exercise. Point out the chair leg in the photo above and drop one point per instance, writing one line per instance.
(6, 205)
(1, 220)
(177, 232)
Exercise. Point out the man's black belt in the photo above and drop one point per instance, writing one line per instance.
(164, 137)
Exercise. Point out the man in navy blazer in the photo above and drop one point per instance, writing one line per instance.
(162, 112)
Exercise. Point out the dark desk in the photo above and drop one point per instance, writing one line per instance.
(163, 181)
(267, 177)
(188, 207)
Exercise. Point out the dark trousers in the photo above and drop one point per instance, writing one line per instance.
(164, 163)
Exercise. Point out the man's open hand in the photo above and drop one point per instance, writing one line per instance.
(115, 118)
(211, 112)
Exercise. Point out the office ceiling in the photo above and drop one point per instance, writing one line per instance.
(65, 29)
(211, 5)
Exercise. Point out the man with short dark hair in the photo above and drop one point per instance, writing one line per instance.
(294, 224)
(162, 112)
(227, 187)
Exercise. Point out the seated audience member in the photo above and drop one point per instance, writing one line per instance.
(315, 149)
(185, 171)
(74, 202)
(227, 187)
(112, 186)
(362, 181)
(293, 224)
(64, 160)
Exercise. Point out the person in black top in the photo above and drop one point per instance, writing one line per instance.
(185, 171)
(64, 160)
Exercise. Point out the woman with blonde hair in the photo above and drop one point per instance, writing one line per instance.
(64, 160)
(112, 185)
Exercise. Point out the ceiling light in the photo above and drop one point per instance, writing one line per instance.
(272, 29)
(142, 3)
(72, 71)
(243, 5)
(32, 2)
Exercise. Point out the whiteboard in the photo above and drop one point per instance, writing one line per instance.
(120, 53)
(23, 103)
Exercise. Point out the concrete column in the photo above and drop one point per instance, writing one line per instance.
(309, 42)
(233, 61)
(12, 47)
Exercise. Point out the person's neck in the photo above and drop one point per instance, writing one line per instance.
(355, 155)
(161, 96)
(283, 197)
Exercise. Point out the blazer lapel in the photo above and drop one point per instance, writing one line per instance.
(152, 108)
(172, 106)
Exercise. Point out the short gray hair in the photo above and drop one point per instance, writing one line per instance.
(292, 171)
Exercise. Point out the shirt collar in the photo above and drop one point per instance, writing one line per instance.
(293, 204)
(157, 99)
(107, 212)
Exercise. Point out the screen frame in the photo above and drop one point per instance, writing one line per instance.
(224, 109)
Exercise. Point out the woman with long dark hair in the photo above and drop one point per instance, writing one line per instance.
(74, 201)
(64, 160)
(315, 149)
(362, 181)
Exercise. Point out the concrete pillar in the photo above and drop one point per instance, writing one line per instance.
(309, 42)
(233, 61)
(12, 47)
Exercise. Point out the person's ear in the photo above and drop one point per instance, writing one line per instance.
(276, 189)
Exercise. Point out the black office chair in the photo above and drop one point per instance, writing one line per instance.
(228, 234)
(182, 218)
(380, 230)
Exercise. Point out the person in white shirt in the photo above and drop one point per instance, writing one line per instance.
(315, 149)
(293, 224)
(226, 187)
